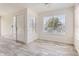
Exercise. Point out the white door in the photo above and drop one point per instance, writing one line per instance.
(14, 28)
(20, 23)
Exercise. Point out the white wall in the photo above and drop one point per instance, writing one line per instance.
(6, 22)
(76, 28)
(32, 35)
(68, 36)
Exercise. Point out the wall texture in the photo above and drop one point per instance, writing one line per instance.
(65, 38)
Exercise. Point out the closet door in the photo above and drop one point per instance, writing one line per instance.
(20, 23)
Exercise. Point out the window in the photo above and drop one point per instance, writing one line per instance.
(54, 24)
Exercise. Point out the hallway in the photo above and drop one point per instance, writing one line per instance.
(9, 47)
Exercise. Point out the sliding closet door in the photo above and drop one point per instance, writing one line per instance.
(20, 23)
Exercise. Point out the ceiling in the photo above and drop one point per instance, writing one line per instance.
(6, 8)
(41, 7)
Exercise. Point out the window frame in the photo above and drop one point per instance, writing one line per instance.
(45, 31)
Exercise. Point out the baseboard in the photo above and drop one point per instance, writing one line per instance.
(59, 42)
(20, 42)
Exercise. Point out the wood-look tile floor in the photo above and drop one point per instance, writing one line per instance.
(9, 47)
